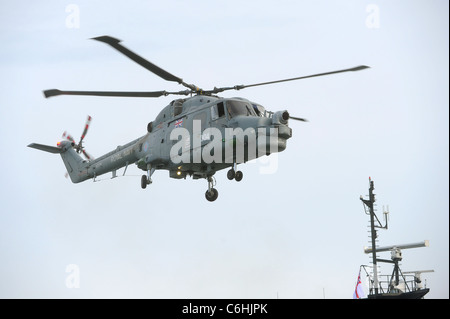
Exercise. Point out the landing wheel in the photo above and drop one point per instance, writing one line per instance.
(144, 181)
(212, 195)
(239, 176)
(231, 174)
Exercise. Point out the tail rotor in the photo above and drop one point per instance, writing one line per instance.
(79, 148)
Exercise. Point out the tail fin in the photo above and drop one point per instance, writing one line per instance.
(46, 148)
(71, 159)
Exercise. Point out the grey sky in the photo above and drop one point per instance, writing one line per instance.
(295, 233)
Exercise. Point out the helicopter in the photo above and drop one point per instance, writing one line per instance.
(194, 136)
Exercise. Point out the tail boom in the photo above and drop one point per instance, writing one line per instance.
(80, 170)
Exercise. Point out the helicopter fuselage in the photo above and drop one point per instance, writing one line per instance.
(197, 137)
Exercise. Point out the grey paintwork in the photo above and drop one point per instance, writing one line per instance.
(153, 149)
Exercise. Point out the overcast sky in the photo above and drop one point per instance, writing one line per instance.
(298, 232)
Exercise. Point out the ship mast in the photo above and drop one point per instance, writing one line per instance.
(373, 233)
(396, 288)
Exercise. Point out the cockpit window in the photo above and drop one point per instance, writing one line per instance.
(236, 108)
(259, 110)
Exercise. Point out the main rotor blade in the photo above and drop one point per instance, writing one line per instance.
(240, 87)
(115, 43)
(55, 92)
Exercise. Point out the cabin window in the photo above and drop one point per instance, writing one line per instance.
(177, 110)
(236, 108)
(217, 111)
(214, 115)
(177, 106)
(259, 110)
(220, 109)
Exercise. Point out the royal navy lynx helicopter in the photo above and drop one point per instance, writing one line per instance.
(196, 136)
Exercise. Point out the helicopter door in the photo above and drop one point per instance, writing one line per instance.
(199, 124)
(218, 118)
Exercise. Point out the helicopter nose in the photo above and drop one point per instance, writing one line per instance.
(280, 117)
(284, 132)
